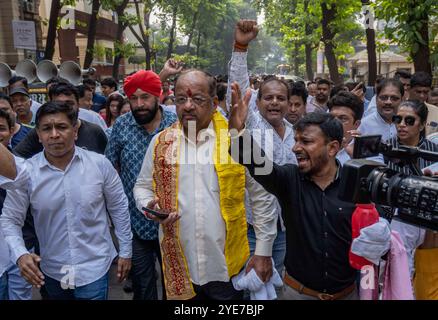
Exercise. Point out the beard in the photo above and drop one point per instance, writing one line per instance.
(146, 118)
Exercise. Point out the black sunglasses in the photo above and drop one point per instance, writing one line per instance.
(409, 120)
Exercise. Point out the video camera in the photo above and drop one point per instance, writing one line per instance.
(365, 181)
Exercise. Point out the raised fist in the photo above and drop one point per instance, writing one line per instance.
(246, 31)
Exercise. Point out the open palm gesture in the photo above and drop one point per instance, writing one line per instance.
(239, 108)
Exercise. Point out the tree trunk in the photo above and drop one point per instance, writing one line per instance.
(328, 15)
(51, 33)
(421, 57)
(371, 44)
(296, 58)
(143, 38)
(147, 46)
(120, 29)
(198, 46)
(89, 52)
(308, 45)
(172, 33)
(192, 31)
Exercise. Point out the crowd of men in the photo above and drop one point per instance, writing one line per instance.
(231, 183)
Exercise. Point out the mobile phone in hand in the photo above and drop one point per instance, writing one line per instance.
(160, 215)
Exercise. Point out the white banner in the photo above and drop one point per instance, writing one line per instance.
(24, 34)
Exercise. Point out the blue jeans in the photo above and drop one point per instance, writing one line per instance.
(4, 287)
(143, 274)
(97, 290)
(17, 288)
(278, 248)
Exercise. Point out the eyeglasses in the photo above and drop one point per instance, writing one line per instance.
(392, 98)
(409, 120)
(197, 100)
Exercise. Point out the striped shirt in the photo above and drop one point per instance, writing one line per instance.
(424, 144)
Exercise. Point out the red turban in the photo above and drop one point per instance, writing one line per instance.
(145, 80)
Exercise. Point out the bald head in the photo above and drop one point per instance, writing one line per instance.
(201, 76)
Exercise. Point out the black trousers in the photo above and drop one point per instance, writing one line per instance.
(143, 274)
(217, 290)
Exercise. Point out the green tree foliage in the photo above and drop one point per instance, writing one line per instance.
(412, 24)
(298, 23)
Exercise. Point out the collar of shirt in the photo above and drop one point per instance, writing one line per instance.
(43, 162)
(289, 129)
(305, 176)
(380, 119)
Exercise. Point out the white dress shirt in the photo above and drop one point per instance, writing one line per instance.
(92, 117)
(375, 125)
(70, 215)
(202, 228)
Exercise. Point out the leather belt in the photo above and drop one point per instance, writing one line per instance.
(294, 284)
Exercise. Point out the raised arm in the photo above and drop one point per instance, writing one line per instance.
(244, 32)
(171, 67)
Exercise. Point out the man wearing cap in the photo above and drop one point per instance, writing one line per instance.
(21, 104)
(126, 149)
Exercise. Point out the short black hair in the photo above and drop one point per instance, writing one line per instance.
(387, 82)
(5, 115)
(89, 82)
(6, 98)
(63, 88)
(323, 81)
(299, 90)
(329, 125)
(348, 100)
(110, 82)
(337, 89)
(421, 79)
(56, 80)
(54, 108)
(273, 79)
(402, 74)
(221, 89)
(16, 79)
(81, 90)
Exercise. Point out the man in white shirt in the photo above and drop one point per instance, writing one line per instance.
(389, 96)
(203, 240)
(69, 191)
(266, 121)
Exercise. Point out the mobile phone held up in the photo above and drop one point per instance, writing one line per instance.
(160, 215)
